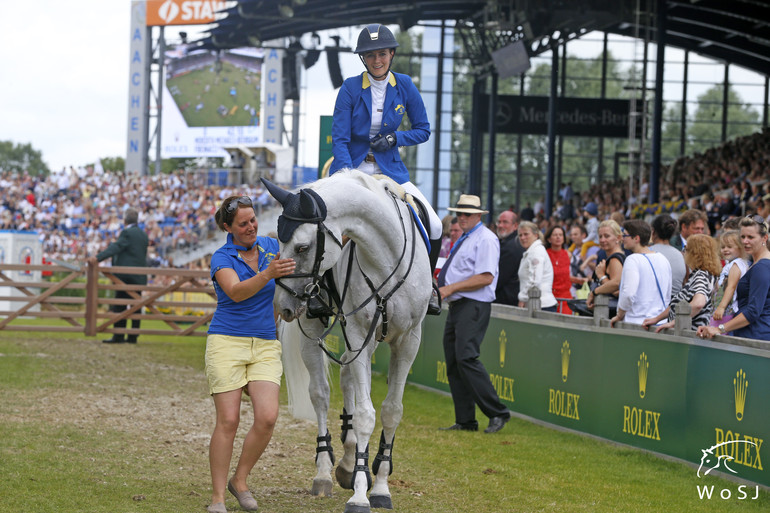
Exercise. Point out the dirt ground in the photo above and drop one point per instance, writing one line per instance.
(163, 413)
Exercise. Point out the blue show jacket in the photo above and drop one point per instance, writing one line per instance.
(353, 119)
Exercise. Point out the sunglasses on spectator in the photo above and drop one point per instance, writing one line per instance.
(757, 219)
(464, 214)
(233, 205)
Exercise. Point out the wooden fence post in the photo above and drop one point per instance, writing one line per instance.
(92, 297)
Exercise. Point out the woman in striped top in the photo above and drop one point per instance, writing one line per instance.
(702, 257)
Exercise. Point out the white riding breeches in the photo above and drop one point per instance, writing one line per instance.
(434, 228)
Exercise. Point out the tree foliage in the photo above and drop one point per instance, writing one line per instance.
(577, 157)
(22, 158)
(704, 126)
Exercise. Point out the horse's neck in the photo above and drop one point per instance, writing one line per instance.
(371, 219)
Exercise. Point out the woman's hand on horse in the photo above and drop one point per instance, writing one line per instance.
(280, 267)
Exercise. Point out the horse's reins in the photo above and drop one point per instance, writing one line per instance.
(313, 289)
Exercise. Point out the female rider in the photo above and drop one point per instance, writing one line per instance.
(369, 109)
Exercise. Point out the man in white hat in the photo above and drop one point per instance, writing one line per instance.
(467, 282)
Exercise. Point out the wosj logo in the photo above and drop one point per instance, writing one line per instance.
(730, 451)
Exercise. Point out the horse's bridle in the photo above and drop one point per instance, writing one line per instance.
(313, 289)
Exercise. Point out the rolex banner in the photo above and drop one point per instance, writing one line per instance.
(702, 402)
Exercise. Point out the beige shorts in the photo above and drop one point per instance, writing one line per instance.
(231, 362)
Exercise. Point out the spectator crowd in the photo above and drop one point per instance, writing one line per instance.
(77, 211)
(580, 248)
(605, 242)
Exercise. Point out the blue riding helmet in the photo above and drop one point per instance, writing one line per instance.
(375, 37)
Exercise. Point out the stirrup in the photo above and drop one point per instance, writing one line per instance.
(434, 305)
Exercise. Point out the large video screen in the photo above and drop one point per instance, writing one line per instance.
(216, 88)
(210, 99)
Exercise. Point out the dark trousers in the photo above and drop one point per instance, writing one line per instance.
(469, 381)
(120, 294)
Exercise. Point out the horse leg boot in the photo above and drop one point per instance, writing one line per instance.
(344, 470)
(319, 390)
(434, 306)
(380, 496)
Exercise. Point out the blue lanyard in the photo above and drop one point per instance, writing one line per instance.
(463, 237)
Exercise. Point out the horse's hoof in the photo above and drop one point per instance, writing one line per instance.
(356, 508)
(380, 501)
(344, 478)
(322, 487)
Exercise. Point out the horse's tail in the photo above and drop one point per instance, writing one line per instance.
(297, 376)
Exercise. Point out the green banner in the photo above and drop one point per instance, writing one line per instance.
(672, 395)
(324, 143)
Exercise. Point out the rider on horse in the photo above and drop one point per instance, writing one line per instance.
(369, 109)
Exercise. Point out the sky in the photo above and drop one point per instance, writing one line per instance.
(64, 79)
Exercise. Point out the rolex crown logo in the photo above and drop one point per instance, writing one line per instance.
(503, 340)
(740, 385)
(564, 360)
(643, 366)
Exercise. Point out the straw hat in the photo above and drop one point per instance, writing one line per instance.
(469, 204)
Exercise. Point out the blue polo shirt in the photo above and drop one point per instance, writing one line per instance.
(252, 317)
(753, 292)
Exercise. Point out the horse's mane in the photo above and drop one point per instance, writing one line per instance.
(375, 183)
(368, 181)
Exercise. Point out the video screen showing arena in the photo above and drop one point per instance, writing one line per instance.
(213, 88)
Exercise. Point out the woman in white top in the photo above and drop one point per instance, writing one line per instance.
(645, 283)
(535, 269)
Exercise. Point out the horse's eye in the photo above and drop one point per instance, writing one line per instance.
(302, 249)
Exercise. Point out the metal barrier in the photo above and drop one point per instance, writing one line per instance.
(184, 300)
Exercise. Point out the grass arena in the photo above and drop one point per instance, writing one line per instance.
(92, 428)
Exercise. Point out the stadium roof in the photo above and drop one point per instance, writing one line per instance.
(734, 31)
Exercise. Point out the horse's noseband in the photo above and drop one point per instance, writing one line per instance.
(313, 288)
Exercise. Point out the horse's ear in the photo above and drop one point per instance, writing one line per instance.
(281, 195)
(307, 205)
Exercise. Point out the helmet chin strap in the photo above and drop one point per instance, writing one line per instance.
(390, 65)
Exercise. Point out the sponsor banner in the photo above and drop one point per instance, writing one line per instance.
(575, 116)
(138, 87)
(182, 12)
(324, 142)
(729, 414)
(702, 403)
(272, 96)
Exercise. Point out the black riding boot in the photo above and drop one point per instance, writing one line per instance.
(434, 306)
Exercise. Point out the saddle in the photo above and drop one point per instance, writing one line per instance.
(419, 213)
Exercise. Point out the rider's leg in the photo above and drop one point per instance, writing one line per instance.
(434, 234)
(434, 222)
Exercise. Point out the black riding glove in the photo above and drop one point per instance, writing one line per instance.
(383, 142)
